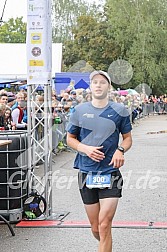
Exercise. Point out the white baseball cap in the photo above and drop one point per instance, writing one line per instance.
(105, 74)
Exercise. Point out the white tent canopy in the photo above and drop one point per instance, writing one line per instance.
(13, 59)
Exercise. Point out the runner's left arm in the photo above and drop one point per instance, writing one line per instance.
(118, 157)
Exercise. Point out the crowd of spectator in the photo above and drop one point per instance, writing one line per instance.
(13, 111)
(70, 98)
(13, 107)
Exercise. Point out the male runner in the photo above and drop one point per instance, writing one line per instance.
(93, 131)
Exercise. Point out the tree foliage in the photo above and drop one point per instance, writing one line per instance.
(132, 30)
(64, 17)
(140, 28)
(92, 43)
(13, 31)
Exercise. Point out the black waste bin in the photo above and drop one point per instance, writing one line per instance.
(13, 174)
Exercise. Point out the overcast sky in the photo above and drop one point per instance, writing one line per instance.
(14, 8)
(17, 8)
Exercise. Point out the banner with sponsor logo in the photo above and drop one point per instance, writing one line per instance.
(39, 42)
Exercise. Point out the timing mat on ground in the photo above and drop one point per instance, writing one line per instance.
(86, 224)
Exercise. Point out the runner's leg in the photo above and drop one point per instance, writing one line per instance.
(107, 210)
(93, 215)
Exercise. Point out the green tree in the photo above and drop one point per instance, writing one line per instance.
(140, 30)
(64, 17)
(13, 31)
(92, 43)
(132, 30)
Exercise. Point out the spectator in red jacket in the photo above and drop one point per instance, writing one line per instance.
(17, 115)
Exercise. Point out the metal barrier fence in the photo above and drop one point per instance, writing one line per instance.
(154, 108)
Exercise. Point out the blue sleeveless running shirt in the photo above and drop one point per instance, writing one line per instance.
(98, 127)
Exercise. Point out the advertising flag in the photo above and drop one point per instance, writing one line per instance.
(39, 42)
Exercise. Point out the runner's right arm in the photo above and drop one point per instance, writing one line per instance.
(91, 151)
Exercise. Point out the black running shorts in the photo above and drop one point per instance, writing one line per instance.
(92, 196)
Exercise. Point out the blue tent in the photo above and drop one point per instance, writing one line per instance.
(61, 83)
(25, 87)
(5, 83)
(81, 84)
(62, 80)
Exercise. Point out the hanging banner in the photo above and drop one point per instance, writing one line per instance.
(39, 42)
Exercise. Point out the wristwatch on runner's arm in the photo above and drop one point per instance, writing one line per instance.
(120, 148)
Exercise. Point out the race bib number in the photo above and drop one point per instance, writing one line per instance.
(98, 181)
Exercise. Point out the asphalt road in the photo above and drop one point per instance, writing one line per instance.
(144, 199)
